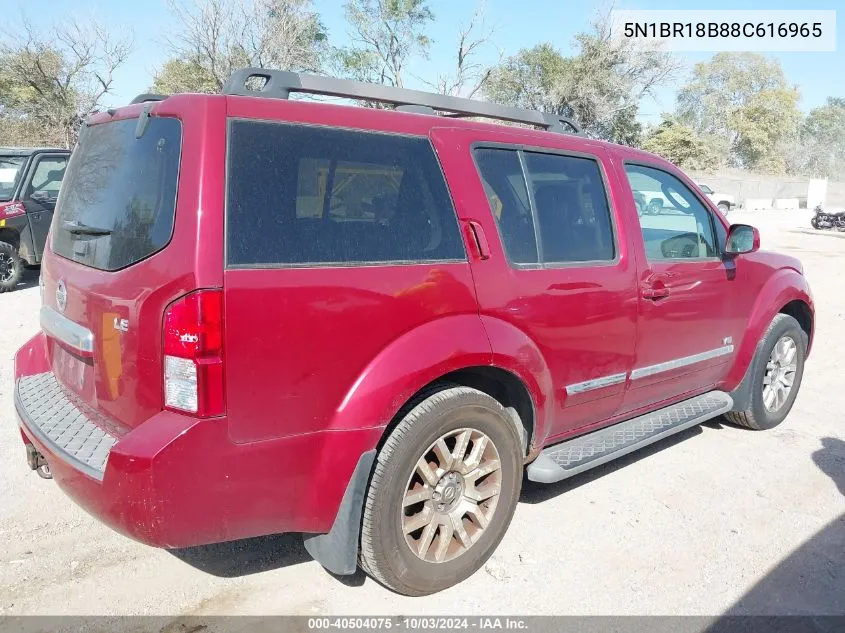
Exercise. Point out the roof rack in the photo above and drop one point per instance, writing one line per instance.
(279, 84)
(147, 96)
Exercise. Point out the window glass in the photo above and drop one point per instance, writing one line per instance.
(118, 201)
(504, 184)
(571, 208)
(311, 195)
(10, 173)
(674, 224)
(46, 180)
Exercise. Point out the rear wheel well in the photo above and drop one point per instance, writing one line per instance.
(497, 383)
(800, 311)
(10, 237)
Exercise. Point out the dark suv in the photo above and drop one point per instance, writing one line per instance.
(29, 186)
(266, 315)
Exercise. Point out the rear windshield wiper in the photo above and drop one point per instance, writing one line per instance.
(77, 228)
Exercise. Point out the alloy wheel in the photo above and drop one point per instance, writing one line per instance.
(451, 495)
(780, 373)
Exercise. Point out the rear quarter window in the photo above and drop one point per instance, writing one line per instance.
(305, 195)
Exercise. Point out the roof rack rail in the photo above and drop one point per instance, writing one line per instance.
(147, 96)
(278, 84)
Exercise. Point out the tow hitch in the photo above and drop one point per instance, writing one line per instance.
(37, 462)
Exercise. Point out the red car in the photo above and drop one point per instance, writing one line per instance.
(263, 315)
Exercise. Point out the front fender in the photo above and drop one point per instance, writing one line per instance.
(782, 287)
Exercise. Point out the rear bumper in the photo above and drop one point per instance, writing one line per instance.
(176, 481)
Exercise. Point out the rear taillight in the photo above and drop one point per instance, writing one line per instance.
(11, 210)
(193, 354)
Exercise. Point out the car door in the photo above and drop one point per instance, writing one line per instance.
(686, 334)
(559, 275)
(39, 195)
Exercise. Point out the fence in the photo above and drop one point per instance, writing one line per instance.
(744, 185)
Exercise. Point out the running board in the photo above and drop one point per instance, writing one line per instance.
(574, 456)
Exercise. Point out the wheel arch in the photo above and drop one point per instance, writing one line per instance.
(10, 236)
(500, 384)
(786, 292)
(802, 312)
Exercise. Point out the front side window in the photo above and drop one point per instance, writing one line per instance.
(47, 179)
(674, 223)
(300, 195)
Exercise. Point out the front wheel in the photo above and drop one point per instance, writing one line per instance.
(777, 369)
(724, 207)
(814, 222)
(442, 494)
(11, 267)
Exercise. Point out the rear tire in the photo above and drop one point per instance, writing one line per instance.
(442, 494)
(11, 267)
(777, 369)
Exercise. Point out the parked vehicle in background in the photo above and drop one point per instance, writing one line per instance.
(366, 325)
(827, 219)
(29, 187)
(724, 201)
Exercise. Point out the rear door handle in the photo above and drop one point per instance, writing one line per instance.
(479, 239)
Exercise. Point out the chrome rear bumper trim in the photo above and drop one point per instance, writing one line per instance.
(72, 334)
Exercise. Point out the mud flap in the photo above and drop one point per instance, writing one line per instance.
(337, 551)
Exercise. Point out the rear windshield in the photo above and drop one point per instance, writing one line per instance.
(10, 173)
(118, 199)
(305, 195)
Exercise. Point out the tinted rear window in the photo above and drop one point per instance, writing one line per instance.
(118, 198)
(302, 195)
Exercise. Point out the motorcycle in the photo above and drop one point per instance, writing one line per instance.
(828, 220)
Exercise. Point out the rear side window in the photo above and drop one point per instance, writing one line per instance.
(300, 195)
(118, 197)
(567, 209)
(504, 184)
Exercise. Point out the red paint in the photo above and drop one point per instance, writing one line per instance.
(317, 361)
(11, 209)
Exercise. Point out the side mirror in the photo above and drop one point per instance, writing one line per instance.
(742, 238)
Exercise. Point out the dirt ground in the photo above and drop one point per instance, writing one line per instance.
(715, 520)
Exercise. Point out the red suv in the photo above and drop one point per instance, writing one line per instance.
(265, 315)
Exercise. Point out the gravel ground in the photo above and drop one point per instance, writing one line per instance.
(715, 520)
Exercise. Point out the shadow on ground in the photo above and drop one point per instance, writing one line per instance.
(246, 556)
(538, 493)
(253, 556)
(29, 279)
(811, 580)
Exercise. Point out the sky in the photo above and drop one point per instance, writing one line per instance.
(519, 24)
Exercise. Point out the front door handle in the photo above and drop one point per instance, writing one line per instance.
(654, 288)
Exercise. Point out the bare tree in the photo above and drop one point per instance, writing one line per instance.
(385, 35)
(213, 38)
(51, 80)
(470, 73)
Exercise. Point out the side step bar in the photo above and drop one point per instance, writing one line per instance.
(574, 456)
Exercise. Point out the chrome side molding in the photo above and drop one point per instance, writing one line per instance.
(63, 329)
(597, 383)
(650, 370)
